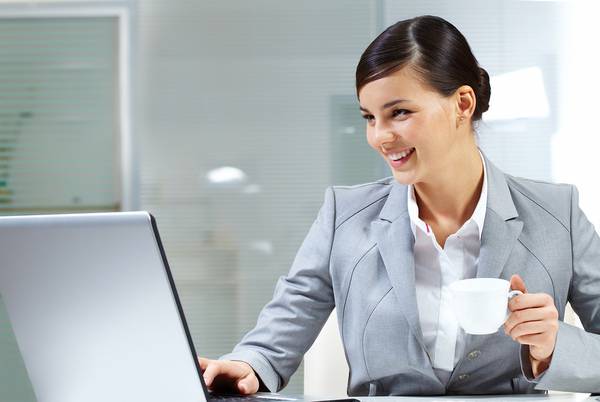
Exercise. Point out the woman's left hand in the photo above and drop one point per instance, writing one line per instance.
(533, 321)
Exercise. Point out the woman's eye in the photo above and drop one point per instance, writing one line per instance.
(400, 112)
(396, 113)
(368, 117)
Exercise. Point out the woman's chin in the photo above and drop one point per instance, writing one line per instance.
(405, 178)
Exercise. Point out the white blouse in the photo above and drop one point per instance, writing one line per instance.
(435, 269)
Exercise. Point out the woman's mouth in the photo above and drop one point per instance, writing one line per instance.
(400, 158)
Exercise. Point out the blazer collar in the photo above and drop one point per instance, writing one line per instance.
(499, 198)
(396, 204)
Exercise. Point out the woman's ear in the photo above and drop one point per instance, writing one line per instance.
(465, 103)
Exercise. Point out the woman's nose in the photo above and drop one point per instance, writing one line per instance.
(384, 133)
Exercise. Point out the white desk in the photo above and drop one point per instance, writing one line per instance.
(566, 397)
(553, 397)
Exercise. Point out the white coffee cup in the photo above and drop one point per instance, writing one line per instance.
(481, 304)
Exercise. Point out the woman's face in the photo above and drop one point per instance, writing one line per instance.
(411, 126)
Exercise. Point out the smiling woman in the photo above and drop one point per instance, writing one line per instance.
(425, 90)
(385, 253)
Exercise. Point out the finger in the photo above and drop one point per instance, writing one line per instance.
(517, 283)
(530, 300)
(213, 369)
(203, 362)
(528, 328)
(531, 314)
(248, 385)
(533, 339)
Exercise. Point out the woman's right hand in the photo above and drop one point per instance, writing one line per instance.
(228, 375)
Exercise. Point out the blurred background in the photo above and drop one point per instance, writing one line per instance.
(227, 119)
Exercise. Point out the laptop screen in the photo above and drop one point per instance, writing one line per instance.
(93, 310)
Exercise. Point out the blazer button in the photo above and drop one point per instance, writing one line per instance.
(463, 377)
(473, 355)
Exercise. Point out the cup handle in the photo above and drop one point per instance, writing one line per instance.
(510, 295)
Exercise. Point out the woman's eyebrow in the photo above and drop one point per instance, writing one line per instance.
(387, 105)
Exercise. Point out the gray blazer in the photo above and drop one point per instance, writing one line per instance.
(358, 256)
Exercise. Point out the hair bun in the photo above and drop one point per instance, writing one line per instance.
(484, 92)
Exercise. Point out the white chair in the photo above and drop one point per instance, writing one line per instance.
(325, 366)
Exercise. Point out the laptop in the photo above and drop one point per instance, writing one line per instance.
(94, 311)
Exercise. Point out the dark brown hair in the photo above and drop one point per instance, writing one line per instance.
(435, 49)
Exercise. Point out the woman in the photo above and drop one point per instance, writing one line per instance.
(384, 253)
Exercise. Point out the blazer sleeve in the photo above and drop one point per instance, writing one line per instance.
(575, 363)
(303, 300)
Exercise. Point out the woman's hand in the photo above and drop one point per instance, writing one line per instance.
(533, 321)
(232, 376)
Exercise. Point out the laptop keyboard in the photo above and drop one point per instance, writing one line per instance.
(248, 398)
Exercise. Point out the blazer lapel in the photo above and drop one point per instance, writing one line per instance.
(501, 227)
(395, 243)
(497, 241)
(501, 230)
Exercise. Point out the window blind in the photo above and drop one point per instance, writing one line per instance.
(58, 114)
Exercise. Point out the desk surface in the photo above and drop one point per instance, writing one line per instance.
(566, 397)
(553, 397)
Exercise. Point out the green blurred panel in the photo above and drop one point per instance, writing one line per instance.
(59, 131)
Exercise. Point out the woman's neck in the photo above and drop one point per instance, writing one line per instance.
(453, 195)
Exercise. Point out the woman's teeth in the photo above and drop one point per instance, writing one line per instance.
(401, 155)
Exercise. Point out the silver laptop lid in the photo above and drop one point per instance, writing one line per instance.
(94, 310)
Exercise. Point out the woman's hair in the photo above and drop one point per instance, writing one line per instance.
(432, 47)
